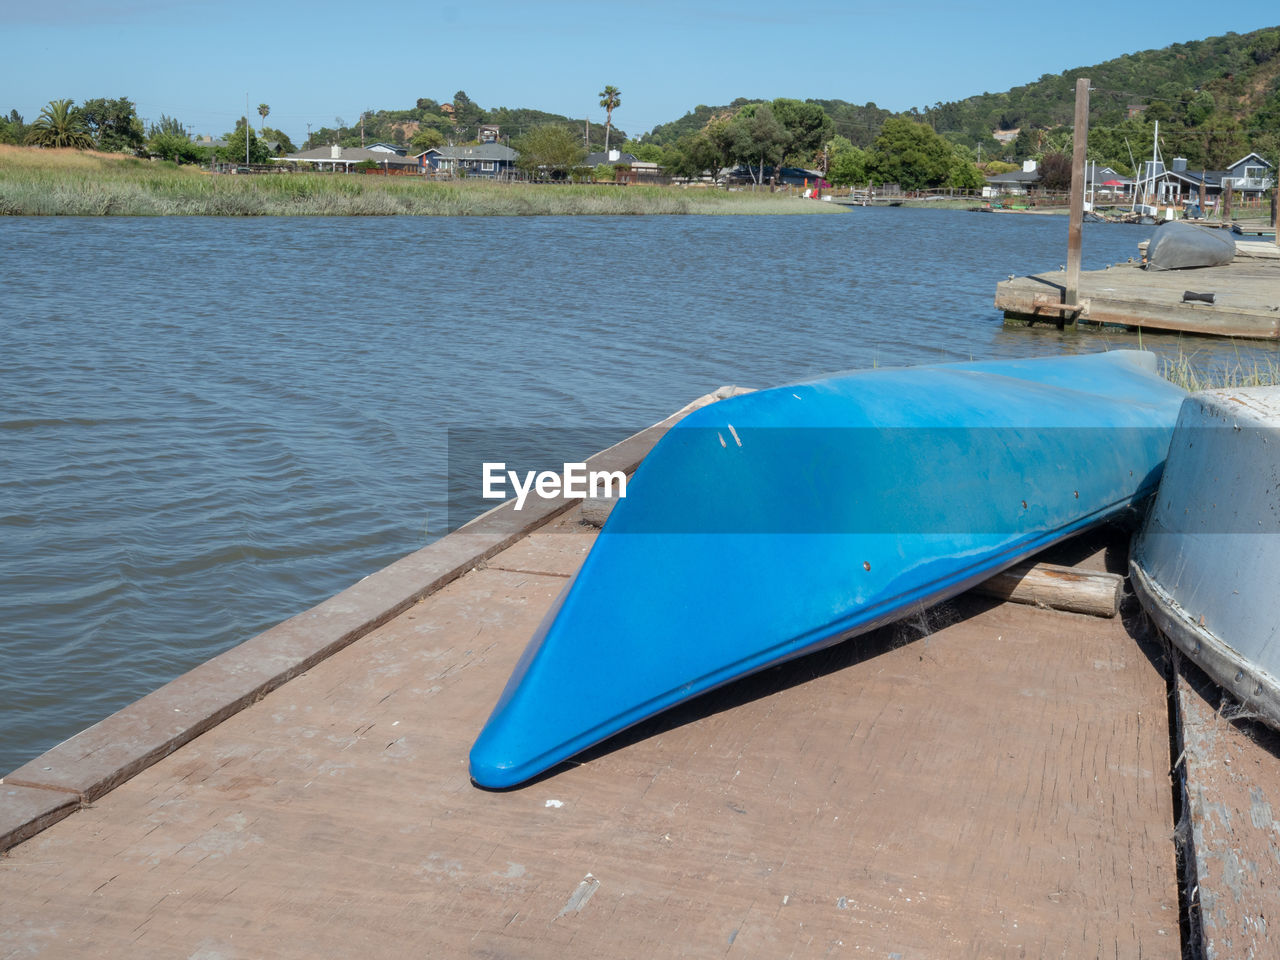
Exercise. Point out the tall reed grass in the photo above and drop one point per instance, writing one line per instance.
(37, 182)
(1222, 374)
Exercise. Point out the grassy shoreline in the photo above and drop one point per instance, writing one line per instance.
(36, 182)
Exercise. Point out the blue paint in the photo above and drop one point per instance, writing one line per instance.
(772, 525)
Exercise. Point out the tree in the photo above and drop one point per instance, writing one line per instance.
(720, 133)
(280, 137)
(169, 140)
(758, 136)
(692, 155)
(114, 124)
(964, 172)
(548, 152)
(848, 165)
(60, 125)
(1055, 172)
(911, 155)
(427, 138)
(263, 110)
(808, 128)
(466, 117)
(12, 128)
(610, 99)
(234, 151)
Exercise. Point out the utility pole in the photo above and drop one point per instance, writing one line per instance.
(246, 128)
(1075, 231)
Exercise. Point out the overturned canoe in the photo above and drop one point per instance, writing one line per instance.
(1206, 561)
(1179, 246)
(774, 524)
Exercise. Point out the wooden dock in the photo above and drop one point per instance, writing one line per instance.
(987, 779)
(1246, 298)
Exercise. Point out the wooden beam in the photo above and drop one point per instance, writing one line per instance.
(1075, 227)
(1058, 588)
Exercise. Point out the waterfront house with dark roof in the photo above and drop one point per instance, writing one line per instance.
(1251, 176)
(1016, 183)
(473, 160)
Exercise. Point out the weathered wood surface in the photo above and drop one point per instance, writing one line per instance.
(1246, 302)
(997, 787)
(1232, 777)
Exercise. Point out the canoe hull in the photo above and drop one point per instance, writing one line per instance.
(1205, 563)
(774, 524)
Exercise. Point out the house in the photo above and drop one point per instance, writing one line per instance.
(342, 159)
(475, 160)
(1017, 183)
(627, 168)
(388, 148)
(487, 133)
(1105, 182)
(601, 158)
(1251, 176)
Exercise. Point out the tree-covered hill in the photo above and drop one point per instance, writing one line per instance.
(431, 123)
(1227, 88)
(1216, 100)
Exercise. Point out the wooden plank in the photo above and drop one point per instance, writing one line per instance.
(1231, 785)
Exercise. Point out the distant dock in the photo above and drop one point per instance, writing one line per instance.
(1246, 298)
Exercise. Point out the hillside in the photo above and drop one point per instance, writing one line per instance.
(1232, 80)
(1216, 99)
(456, 121)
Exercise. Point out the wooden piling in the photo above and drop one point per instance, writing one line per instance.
(1075, 230)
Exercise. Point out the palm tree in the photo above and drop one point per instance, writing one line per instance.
(610, 97)
(60, 125)
(263, 110)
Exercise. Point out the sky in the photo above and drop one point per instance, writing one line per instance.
(313, 62)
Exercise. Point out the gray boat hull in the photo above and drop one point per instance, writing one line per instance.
(1206, 564)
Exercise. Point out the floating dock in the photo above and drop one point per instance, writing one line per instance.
(985, 779)
(1246, 298)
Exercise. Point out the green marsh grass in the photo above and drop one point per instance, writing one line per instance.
(35, 182)
(1221, 374)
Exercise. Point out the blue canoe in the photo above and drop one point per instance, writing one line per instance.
(777, 523)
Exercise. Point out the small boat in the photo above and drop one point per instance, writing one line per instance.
(774, 524)
(1206, 561)
(1177, 245)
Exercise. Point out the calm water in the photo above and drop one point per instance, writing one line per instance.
(209, 425)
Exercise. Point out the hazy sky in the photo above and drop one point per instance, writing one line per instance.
(312, 62)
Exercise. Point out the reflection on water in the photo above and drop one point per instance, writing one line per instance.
(208, 425)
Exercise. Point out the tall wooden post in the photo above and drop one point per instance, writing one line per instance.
(1275, 223)
(1075, 226)
(1227, 189)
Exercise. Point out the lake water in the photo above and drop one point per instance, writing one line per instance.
(209, 425)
